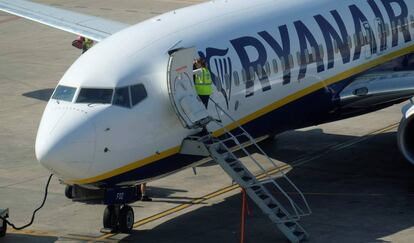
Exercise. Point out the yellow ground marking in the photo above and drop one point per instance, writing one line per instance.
(342, 76)
(41, 233)
(32, 232)
(299, 161)
(195, 201)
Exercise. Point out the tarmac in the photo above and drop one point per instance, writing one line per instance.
(357, 183)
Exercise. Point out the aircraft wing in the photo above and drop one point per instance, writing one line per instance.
(378, 88)
(91, 27)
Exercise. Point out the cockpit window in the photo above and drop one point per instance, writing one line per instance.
(64, 93)
(121, 97)
(100, 96)
(138, 93)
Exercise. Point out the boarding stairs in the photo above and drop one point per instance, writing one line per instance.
(261, 191)
(272, 192)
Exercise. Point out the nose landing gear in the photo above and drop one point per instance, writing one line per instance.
(118, 218)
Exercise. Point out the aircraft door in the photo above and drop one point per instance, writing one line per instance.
(184, 99)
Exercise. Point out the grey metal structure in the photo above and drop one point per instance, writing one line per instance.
(267, 192)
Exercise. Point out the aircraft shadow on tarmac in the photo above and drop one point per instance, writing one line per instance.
(164, 195)
(41, 94)
(362, 193)
(10, 237)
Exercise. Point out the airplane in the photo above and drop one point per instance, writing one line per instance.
(119, 115)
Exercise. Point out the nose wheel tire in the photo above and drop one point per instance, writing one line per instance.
(3, 228)
(126, 219)
(118, 219)
(109, 218)
(69, 191)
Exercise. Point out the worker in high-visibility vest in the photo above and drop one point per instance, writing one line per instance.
(202, 81)
(83, 43)
(87, 44)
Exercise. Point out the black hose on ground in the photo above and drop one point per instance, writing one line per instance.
(34, 212)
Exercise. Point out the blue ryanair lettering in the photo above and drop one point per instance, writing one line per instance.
(331, 35)
(381, 24)
(362, 39)
(240, 46)
(398, 22)
(282, 51)
(305, 36)
(253, 54)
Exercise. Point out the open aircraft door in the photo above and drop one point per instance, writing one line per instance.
(184, 99)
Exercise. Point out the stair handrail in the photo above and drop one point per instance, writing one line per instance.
(294, 206)
(309, 211)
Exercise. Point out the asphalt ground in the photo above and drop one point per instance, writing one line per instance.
(358, 185)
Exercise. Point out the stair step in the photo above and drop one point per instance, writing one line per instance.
(299, 234)
(290, 224)
(209, 142)
(263, 197)
(272, 205)
(221, 150)
(230, 160)
(281, 215)
(238, 169)
(255, 188)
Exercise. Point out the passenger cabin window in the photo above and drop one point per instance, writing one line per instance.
(64, 93)
(275, 66)
(337, 46)
(121, 97)
(387, 29)
(138, 93)
(291, 62)
(412, 21)
(321, 50)
(244, 75)
(350, 42)
(260, 71)
(95, 96)
(267, 69)
(236, 78)
(227, 79)
(252, 74)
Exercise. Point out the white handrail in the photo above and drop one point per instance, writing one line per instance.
(294, 205)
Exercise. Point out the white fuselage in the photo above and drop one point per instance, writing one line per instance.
(88, 142)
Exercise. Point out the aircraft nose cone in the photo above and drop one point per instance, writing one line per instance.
(65, 143)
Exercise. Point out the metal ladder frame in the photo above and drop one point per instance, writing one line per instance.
(235, 168)
(220, 150)
(299, 212)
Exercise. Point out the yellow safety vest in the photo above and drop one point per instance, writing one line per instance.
(87, 44)
(203, 82)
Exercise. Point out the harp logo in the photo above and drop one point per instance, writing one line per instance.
(221, 69)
